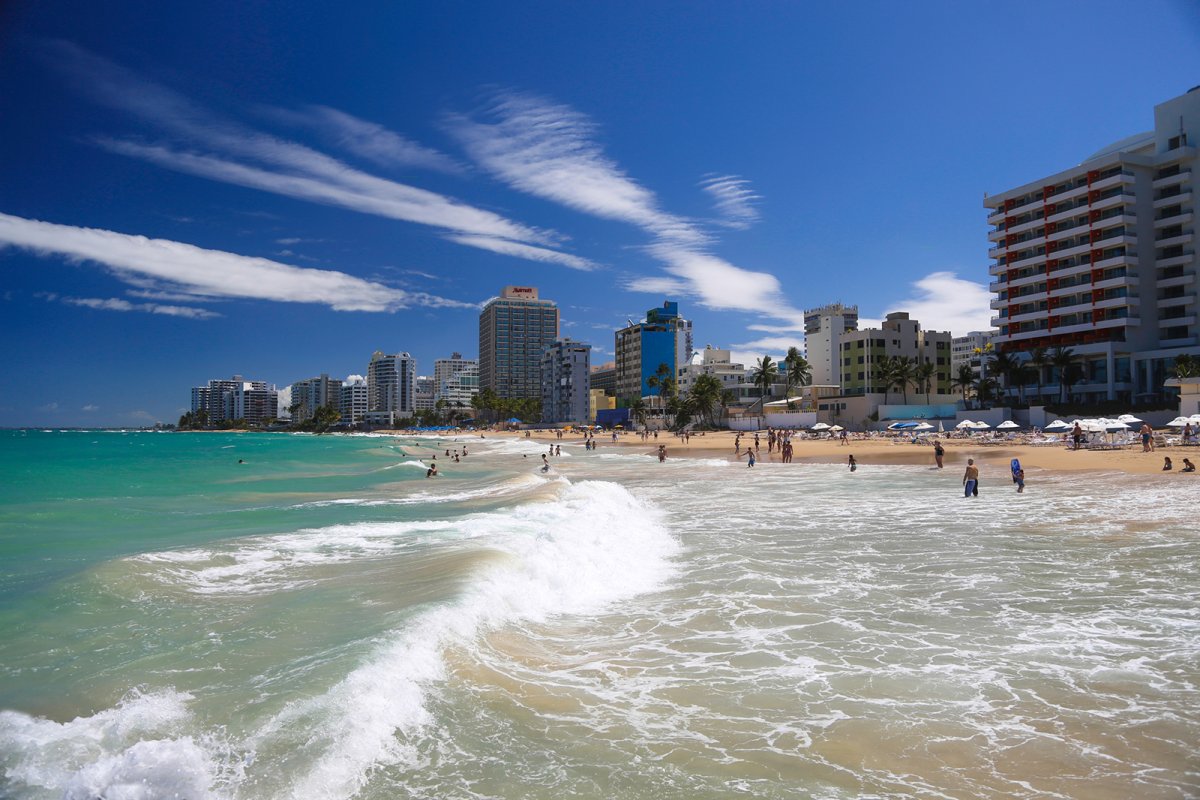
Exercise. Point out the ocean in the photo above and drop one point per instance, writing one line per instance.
(323, 621)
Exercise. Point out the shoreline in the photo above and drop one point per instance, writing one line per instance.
(1057, 458)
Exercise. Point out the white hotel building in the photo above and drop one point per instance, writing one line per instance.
(1101, 258)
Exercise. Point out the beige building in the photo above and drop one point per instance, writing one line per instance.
(863, 350)
(824, 328)
(514, 330)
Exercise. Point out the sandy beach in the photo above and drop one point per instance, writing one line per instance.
(897, 451)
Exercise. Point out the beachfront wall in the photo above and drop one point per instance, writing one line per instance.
(790, 419)
(929, 411)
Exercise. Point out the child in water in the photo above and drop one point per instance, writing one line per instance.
(853, 464)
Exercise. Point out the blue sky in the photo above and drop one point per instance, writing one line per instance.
(189, 191)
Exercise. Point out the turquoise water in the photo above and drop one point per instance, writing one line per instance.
(324, 621)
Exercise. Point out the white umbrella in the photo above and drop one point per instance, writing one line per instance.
(1008, 425)
(1128, 419)
(981, 426)
(837, 428)
(1178, 422)
(966, 423)
(924, 426)
(1057, 425)
(820, 426)
(1113, 425)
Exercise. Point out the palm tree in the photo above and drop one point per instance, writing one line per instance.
(1187, 366)
(885, 370)
(903, 372)
(705, 395)
(964, 380)
(637, 409)
(1002, 365)
(1039, 359)
(764, 376)
(798, 370)
(923, 375)
(1063, 359)
(985, 389)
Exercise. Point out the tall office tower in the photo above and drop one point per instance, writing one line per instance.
(514, 330)
(973, 349)
(1101, 258)
(391, 383)
(899, 336)
(823, 329)
(309, 395)
(353, 405)
(566, 369)
(424, 393)
(236, 398)
(662, 338)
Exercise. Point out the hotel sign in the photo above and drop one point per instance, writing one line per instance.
(524, 292)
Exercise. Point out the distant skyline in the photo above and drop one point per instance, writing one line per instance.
(189, 193)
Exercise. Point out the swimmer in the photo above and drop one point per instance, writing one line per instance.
(545, 463)
(852, 464)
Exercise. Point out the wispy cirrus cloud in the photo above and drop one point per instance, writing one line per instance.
(185, 269)
(549, 150)
(119, 304)
(368, 140)
(209, 146)
(734, 200)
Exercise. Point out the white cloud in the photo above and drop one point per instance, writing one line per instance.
(771, 344)
(733, 199)
(117, 304)
(89, 407)
(942, 301)
(367, 140)
(510, 248)
(215, 148)
(159, 264)
(48, 407)
(548, 150)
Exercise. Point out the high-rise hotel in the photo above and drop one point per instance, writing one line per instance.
(1101, 258)
(514, 330)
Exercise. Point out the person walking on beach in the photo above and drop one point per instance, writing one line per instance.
(971, 479)
(1147, 438)
(852, 464)
(845, 437)
(939, 452)
(1077, 435)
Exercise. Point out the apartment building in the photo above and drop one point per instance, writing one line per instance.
(309, 395)
(566, 367)
(712, 361)
(863, 350)
(974, 350)
(460, 387)
(514, 330)
(353, 403)
(424, 393)
(236, 398)
(641, 348)
(1101, 258)
(824, 328)
(446, 368)
(391, 384)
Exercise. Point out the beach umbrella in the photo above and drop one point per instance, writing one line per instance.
(1128, 419)
(980, 426)
(924, 426)
(1178, 422)
(820, 426)
(1114, 425)
(1007, 425)
(837, 428)
(1057, 425)
(940, 428)
(900, 426)
(966, 423)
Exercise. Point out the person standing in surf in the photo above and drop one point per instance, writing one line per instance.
(971, 479)
(852, 464)
(939, 452)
